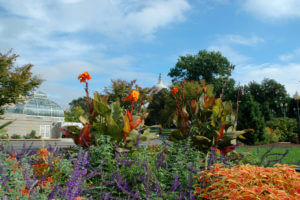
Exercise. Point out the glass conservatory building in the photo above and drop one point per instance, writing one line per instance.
(38, 113)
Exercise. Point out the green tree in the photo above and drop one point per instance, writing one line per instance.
(15, 82)
(159, 109)
(80, 102)
(74, 114)
(118, 90)
(204, 65)
(250, 116)
(269, 94)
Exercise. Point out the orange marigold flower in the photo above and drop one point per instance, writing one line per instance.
(133, 96)
(84, 76)
(174, 90)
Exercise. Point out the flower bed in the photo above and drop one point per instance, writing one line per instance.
(176, 171)
(249, 182)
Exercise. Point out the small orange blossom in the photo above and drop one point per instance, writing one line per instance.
(174, 90)
(84, 76)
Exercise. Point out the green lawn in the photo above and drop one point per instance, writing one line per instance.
(293, 156)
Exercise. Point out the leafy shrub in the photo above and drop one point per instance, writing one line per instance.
(271, 136)
(15, 136)
(31, 135)
(249, 182)
(4, 136)
(153, 172)
(284, 128)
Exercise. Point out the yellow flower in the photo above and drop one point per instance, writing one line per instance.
(134, 96)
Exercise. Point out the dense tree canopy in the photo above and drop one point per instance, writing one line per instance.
(204, 65)
(250, 116)
(158, 108)
(269, 94)
(15, 82)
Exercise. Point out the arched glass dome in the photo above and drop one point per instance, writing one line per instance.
(38, 105)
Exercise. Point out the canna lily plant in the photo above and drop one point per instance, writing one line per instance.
(210, 121)
(125, 128)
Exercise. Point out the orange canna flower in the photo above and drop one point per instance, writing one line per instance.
(133, 96)
(204, 89)
(84, 76)
(174, 90)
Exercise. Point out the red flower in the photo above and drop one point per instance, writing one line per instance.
(84, 76)
(174, 90)
(133, 96)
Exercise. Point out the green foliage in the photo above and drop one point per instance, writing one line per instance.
(15, 136)
(3, 130)
(103, 150)
(177, 158)
(204, 65)
(32, 135)
(108, 119)
(79, 102)
(15, 81)
(271, 136)
(269, 94)
(74, 114)
(19, 171)
(159, 112)
(284, 128)
(250, 116)
(208, 120)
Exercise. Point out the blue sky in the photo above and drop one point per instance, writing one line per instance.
(138, 39)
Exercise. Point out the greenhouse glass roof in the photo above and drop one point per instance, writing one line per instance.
(38, 105)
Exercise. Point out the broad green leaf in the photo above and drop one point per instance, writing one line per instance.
(202, 138)
(83, 120)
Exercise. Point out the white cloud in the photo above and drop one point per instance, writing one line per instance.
(232, 55)
(111, 18)
(238, 39)
(290, 56)
(273, 9)
(53, 35)
(287, 75)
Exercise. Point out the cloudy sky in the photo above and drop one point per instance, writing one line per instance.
(138, 39)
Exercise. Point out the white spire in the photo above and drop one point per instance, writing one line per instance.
(160, 84)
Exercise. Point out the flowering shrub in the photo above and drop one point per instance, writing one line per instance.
(249, 182)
